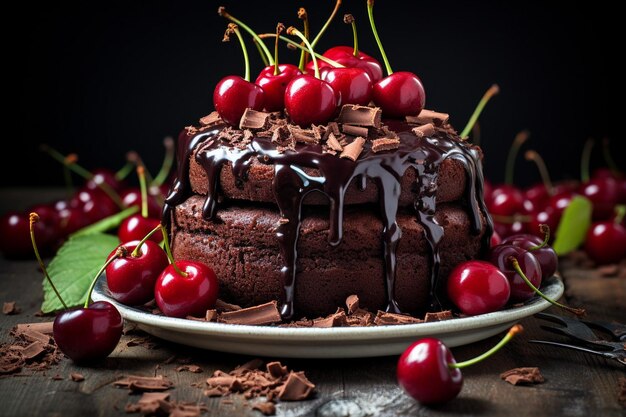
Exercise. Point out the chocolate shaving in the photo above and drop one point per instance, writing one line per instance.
(296, 388)
(211, 315)
(352, 114)
(253, 119)
(276, 369)
(354, 130)
(211, 119)
(194, 369)
(223, 306)
(520, 376)
(148, 404)
(438, 316)
(9, 308)
(32, 351)
(352, 303)
(384, 318)
(35, 336)
(385, 144)
(424, 131)
(281, 134)
(429, 116)
(304, 135)
(267, 408)
(333, 143)
(138, 383)
(353, 149)
(253, 316)
(76, 377)
(334, 128)
(337, 319)
(44, 327)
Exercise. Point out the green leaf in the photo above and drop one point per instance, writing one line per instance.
(572, 229)
(74, 267)
(107, 223)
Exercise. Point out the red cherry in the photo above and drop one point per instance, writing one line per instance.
(309, 100)
(189, 294)
(131, 278)
(506, 229)
(400, 94)
(233, 95)
(604, 194)
(103, 176)
(546, 256)
(49, 218)
(520, 291)
(506, 200)
(88, 334)
(353, 84)
(274, 85)
(15, 235)
(478, 287)
(424, 372)
(559, 202)
(95, 205)
(344, 55)
(538, 195)
(132, 197)
(135, 227)
(606, 242)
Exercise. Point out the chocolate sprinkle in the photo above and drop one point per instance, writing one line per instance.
(352, 114)
(523, 376)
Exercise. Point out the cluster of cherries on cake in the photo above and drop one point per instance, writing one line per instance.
(313, 92)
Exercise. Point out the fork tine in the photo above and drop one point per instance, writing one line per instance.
(572, 327)
(607, 355)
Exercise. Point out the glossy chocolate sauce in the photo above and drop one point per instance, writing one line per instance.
(291, 184)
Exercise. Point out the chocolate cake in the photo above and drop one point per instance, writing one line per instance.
(307, 217)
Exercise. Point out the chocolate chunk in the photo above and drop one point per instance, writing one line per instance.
(385, 144)
(254, 316)
(429, 116)
(304, 135)
(33, 350)
(333, 143)
(76, 377)
(45, 327)
(232, 383)
(352, 302)
(223, 306)
(211, 119)
(333, 127)
(211, 315)
(354, 130)
(281, 134)
(438, 316)
(353, 114)
(253, 119)
(194, 369)
(296, 388)
(424, 131)
(276, 369)
(519, 376)
(149, 403)
(353, 149)
(361, 318)
(35, 336)
(9, 308)
(337, 319)
(138, 383)
(266, 408)
(384, 318)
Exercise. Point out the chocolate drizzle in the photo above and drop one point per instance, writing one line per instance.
(293, 182)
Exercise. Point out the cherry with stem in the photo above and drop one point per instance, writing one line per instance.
(492, 91)
(580, 312)
(34, 218)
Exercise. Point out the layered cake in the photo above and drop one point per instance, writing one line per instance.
(383, 209)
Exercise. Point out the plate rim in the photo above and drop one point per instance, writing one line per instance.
(553, 287)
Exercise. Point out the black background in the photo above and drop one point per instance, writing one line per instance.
(101, 78)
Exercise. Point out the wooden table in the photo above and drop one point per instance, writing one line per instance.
(577, 384)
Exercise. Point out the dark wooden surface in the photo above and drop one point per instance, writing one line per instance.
(577, 384)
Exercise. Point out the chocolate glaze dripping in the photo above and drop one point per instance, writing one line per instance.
(292, 184)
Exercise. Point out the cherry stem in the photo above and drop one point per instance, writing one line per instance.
(517, 329)
(492, 91)
(124, 171)
(232, 28)
(620, 211)
(34, 218)
(69, 161)
(606, 151)
(545, 229)
(585, 159)
(222, 12)
(304, 55)
(141, 173)
(349, 20)
(296, 32)
(580, 312)
(168, 162)
(134, 157)
(534, 156)
(261, 53)
(370, 14)
(519, 140)
(279, 29)
(136, 252)
(119, 253)
(323, 29)
(297, 45)
(168, 251)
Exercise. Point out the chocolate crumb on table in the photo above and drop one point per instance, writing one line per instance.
(523, 376)
(137, 383)
(10, 307)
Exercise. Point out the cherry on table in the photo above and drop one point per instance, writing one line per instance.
(478, 287)
(606, 242)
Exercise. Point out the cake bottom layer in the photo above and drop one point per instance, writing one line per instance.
(240, 244)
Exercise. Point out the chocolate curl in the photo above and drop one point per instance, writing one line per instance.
(353, 114)
(429, 116)
(353, 149)
(253, 119)
(355, 130)
(424, 130)
(333, 143)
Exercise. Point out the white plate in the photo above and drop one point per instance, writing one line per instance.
(340, 342)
